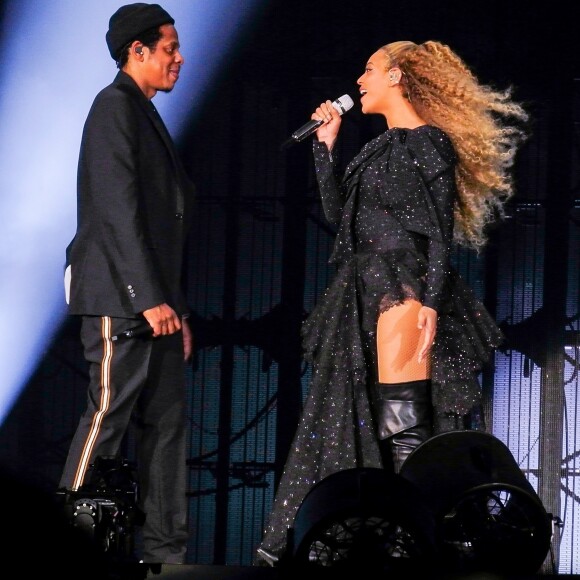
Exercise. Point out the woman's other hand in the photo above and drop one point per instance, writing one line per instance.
(427, 321)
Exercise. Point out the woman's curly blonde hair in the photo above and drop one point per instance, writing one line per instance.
(446, 94)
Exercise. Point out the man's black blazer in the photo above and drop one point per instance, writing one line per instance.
(133, 209)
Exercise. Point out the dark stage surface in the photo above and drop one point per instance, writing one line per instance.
(197, 572)
(252, 573)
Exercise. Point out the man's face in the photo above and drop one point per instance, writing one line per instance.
(161, 66)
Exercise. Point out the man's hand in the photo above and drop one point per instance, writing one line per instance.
(162, 319)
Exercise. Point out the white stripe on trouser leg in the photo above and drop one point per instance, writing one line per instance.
(104, 406)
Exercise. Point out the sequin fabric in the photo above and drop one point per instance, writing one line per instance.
(394, 213)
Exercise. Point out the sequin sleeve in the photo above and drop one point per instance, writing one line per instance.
(443, 192)
(331, 192)
(434, 156)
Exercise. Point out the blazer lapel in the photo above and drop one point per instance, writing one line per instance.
(125, 83)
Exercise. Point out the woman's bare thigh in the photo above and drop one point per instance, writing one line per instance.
(398, 342)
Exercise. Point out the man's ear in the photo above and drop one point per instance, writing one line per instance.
(137, 49)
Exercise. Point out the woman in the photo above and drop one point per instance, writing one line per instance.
(398, 340)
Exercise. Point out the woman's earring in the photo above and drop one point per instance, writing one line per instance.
(393, 77)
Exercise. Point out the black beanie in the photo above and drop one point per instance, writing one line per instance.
(131, 20)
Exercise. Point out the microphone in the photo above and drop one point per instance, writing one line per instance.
(342, 105)
(141, 330)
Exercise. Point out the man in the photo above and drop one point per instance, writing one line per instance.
(125, 265)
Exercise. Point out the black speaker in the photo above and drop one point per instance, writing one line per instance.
(363, 519)
(488, 516)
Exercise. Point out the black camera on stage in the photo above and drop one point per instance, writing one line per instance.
(106, 508)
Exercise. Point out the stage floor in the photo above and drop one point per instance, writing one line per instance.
(214, 572)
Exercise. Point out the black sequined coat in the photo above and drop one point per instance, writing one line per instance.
(394, 212)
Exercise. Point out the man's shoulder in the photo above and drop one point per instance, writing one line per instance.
(121, 87)
(117, 89)
(115, 97)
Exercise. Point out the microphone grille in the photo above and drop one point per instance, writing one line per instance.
(343, 104)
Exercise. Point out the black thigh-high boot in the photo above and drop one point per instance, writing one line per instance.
(403, 414)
